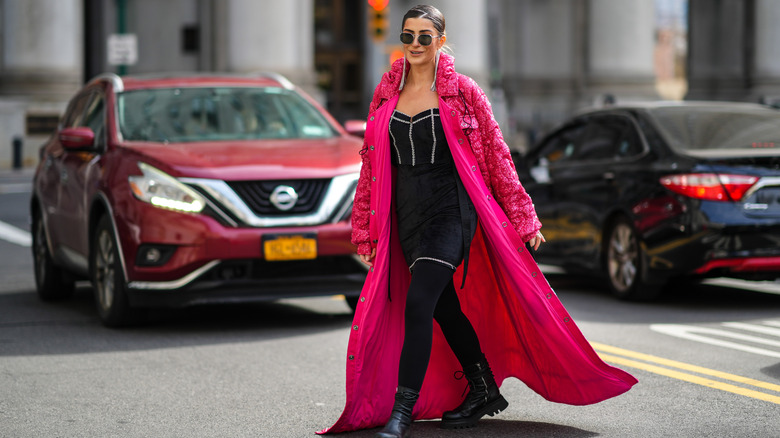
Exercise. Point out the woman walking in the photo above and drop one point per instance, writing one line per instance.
(439, 206)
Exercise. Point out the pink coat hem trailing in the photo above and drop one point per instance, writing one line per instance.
(523, 328)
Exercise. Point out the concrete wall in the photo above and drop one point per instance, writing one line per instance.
(40, 67)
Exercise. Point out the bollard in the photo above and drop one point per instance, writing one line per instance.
(17, 152)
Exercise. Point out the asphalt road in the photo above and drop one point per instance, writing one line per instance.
(707, 358)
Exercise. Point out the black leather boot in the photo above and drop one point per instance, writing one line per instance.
(401, 418)
(483, 398)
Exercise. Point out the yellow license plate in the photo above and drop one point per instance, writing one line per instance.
(290, 247)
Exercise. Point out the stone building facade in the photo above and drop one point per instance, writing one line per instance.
(539, 60)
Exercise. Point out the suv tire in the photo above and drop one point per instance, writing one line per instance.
(51, 282)
(108, 280)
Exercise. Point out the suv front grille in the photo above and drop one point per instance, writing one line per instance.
(257, 195)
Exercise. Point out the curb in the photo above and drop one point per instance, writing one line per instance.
(17, 174)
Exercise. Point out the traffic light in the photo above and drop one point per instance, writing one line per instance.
(377, 19)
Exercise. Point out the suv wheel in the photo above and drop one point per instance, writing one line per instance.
(51, 282)
(107, 279)
(626, 273)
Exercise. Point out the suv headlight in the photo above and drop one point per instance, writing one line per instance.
(164, 191)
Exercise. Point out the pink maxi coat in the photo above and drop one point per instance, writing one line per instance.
(523, 328)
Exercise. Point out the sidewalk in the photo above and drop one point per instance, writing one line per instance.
(16, 180)
(25, 172)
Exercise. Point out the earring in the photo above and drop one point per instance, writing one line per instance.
(403, 75)
(435, 70)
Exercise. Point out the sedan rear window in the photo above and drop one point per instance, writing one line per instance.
(707, 128)
(217, 114)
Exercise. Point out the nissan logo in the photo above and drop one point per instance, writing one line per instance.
(284, 197)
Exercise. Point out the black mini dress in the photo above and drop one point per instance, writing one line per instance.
(430, 217)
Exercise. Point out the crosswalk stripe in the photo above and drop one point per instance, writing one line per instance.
(694, 333)
(753, 328)
(15, 235)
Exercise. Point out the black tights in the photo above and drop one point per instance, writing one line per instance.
(432, 295)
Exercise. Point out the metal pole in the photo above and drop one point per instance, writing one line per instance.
(94, 39)
(17, 152)
(121, 15)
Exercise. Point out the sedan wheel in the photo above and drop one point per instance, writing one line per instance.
(624, 264)
(108, 280)
(51, 282)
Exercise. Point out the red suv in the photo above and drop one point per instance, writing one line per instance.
(171, 191)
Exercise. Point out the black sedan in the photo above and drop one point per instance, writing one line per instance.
(649, 193)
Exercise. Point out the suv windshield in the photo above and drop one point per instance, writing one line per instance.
(702, 128)
(217, 113)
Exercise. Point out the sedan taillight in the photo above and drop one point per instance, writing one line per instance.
(710, 186)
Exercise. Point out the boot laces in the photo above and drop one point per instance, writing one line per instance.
(459, 375)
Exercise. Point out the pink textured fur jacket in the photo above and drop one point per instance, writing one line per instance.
(463, 95)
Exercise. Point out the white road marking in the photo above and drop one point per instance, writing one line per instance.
(15, 235)
(550, 269)
(769, 287)
(753, 328)
(699, 334)
(15, 188)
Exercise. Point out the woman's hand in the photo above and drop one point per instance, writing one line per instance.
(368, 258)
(537, 240)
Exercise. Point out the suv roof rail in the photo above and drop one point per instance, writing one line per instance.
(278, 78)
(115, 80)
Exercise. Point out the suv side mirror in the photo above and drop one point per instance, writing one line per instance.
(77, 138)
(356, 127)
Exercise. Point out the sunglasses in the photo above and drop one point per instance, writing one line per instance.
(423, 39)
